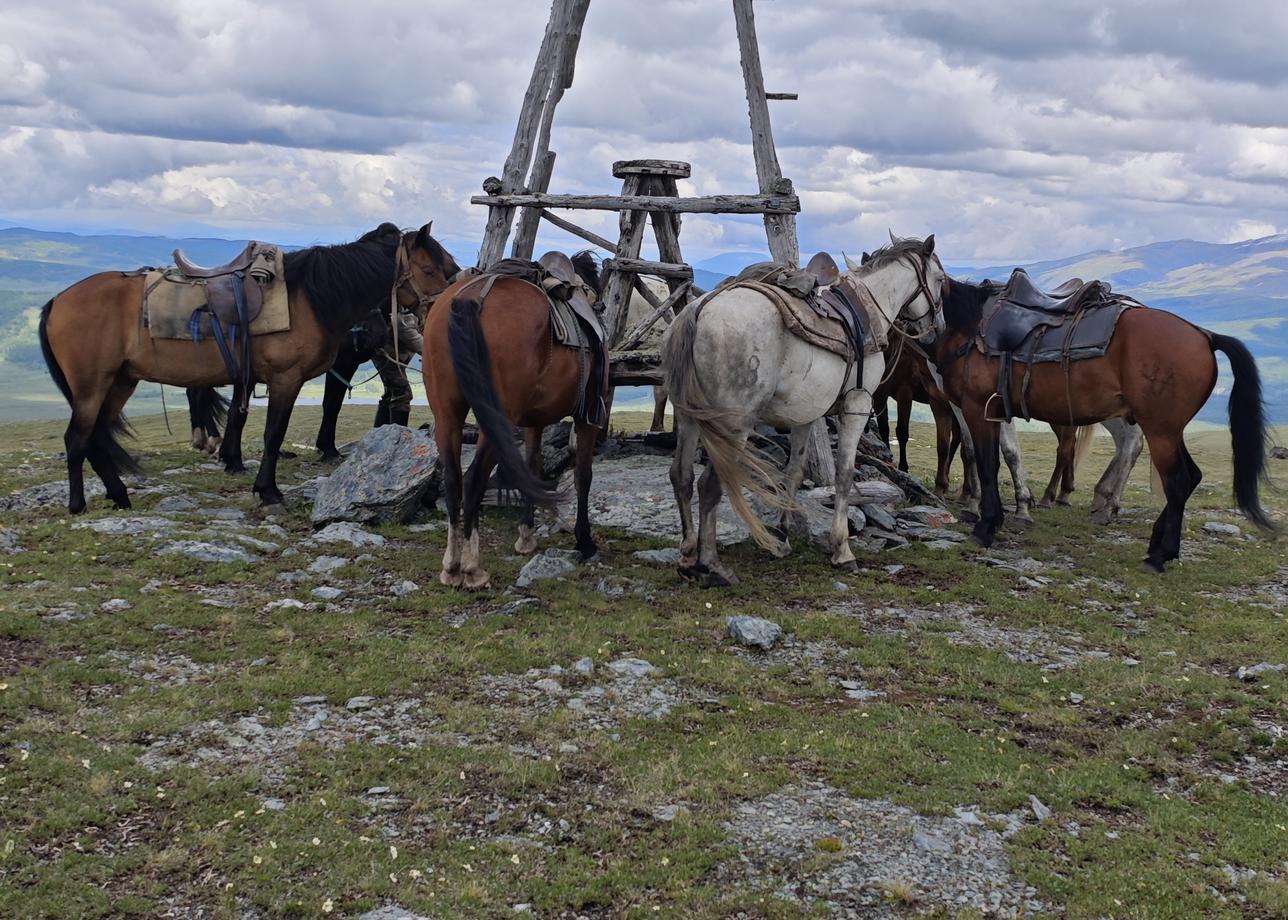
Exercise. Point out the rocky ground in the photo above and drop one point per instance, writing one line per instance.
(206, 712)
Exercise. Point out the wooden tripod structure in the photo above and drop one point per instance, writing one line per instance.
(649, 193)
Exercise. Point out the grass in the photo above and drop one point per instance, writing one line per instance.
(86, 830)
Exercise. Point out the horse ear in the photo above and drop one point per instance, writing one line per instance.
(928, 247)
(867, 257)
(849, 263)
(893, 239)
(422, 236)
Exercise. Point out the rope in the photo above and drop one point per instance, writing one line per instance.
(164, 411)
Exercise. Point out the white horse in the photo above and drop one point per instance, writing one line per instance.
(729, 362)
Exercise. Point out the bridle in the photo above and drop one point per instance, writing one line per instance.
(405, 280)
(918, 326)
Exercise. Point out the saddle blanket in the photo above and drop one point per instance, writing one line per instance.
(171, 298)
(806, 320)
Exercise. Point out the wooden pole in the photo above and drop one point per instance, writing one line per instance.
(779, 228)
(563, 30)
(770, 204)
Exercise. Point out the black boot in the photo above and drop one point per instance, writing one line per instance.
(399, 417)
(382, 413)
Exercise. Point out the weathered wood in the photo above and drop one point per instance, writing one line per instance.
(769, 204)
(782, 96)
(525, 236)
(649, 267)
(820, 464)
(617, 291)
(636, 335)
(675, 168)
(635, 369)
(666, 230)
(587, 235)
(780, 228)
(558, 45)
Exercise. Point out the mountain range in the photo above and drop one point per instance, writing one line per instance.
(1240, 289)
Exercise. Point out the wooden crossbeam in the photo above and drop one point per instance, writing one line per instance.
(711, 204)
(636, 335)
(649, 267)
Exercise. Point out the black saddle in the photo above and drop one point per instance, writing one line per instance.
(824, 269)
(1020, 307)
(1066, 298)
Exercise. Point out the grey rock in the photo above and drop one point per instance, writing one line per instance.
(927, 515)
(858, 520)
(840, 586)
(173, 504)
(542, 567)
(64, 616)
(403, 588)
(1231, 530)
(274, 804)
(232, 514)
(1256, 670)
(567, 747)
(358, 703)
(128, 526)
(512, 607)
(316, 721)
(115, 605)
(670, 812)
(309, 700)
(326, 593)
(879, 516)
(584, 666)
(940, 544)
(206, 552)
(1076, 698)
(346, 532)
(1131, 662)
(324, 564)
(548, 685)
(1040, 811)
(1279, 453)
(384, 478)
(875, 492)
(632, 667)
(931, 842)
(378, 790)
(668, 556)
(391, 911)
(753, 631)
(264, 546)
(8, 540)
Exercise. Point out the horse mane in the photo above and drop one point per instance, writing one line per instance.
(964, 305)
(343, 282)
(442, 258)
(588, 268)
(892, 252)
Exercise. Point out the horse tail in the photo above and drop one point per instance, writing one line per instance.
(207, 409)
(1082, 439)
(473, 368)
(1248, 433)
(722, 431)
(104, 435)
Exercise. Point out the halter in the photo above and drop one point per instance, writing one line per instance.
(405, 278)
(922, 324)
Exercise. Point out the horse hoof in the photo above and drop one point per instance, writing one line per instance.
(714, 579)
(122, 504)
(235, 469)
(1022, 523)
(1064, 503)
(525, 547)
(1102, 517)
(589, 553)
(76, 509)
(970, 517)
(850, 565)
(984, 542)
(1045, 503)
(781, 550)
(273, 509)
(330, 458)
(476, 580)
(287, 454)
(1151, 567)
(451, 579)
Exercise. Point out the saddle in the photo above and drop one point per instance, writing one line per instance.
(1073, 322)
(824, 269)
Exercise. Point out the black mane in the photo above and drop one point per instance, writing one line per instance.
(588, 268)
(346, 281)
(964, 305)
(442, 258)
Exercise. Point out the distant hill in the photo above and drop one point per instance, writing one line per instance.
(1238, 288)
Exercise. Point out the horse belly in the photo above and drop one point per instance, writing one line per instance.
(809, 382)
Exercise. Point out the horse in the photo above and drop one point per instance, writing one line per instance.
(1074, 442)
(329, 288)
(729, 361)
(490, 347)
(1157, 372)
(909, 378)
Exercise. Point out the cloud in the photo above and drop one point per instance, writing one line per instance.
(1091, 125)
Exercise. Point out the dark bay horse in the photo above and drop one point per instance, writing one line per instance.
(910, 380)
(97, 350)
(1158, 371)
(491, 349)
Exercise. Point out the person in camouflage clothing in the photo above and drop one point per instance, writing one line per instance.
(395, 405)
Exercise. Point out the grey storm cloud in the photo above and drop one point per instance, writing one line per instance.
(1010, 130)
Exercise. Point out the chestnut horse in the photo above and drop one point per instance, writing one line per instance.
(97, 349)
(1158, 372)
(490, 348)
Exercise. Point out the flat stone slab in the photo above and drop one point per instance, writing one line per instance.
(383, 479)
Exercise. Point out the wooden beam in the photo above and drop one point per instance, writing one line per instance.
(525, 235)
(789, 97)
(635, 369)
(767, 204)
(636, 335)
(780, 227)
(572, 228)
(649, 267)
(677, 169)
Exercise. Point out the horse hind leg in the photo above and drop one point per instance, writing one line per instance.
(1128, 441)
(448, 438)
(526, 544)
(793, 477)
(586, 436)
(711, 572)
(105, 454)
(1180, 475)
(686, 447)
(1010, 444)
(473, 576)
(854, 418)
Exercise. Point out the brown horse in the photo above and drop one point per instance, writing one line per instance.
(490, 348)
(97, 349)
(1158, 371)
(910, 379)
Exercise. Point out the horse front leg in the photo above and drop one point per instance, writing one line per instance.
(857, 406)
(793, 477)
(282, 391)
(1010, 444)
(971, 486)
(526, 544)
(1128, 441)
(985, 437)
(230, 451)
(473, 575)
(659, 409)
(343, 369)
(686, 448)
(712, 573)
(447, 436)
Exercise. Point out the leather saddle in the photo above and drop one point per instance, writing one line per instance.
(1020, 307)
(563, 283)
(226, 284)
(824, 269)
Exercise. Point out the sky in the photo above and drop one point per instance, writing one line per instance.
(1014, 131)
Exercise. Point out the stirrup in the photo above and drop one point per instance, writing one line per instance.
(989, 402)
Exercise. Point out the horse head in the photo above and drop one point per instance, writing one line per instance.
(425, 269)
(911, 275)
